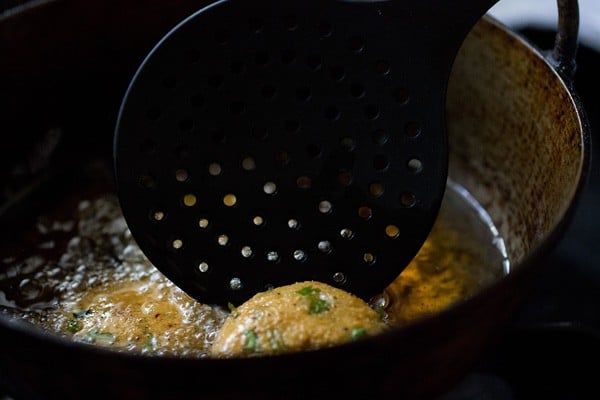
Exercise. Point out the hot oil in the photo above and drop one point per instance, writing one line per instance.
(463, 254)
(87, 279)
(99, 288)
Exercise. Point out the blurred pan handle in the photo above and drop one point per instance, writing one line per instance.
(563, 56)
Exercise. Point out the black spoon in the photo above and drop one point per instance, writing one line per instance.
(267, 142)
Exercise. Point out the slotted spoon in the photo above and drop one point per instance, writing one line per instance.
(267, 142)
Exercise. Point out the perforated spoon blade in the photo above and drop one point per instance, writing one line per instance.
(266, 142)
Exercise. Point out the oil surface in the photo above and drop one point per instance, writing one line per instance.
(88, 280)
(462, 255)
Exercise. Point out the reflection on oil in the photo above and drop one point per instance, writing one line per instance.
(462, 255)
